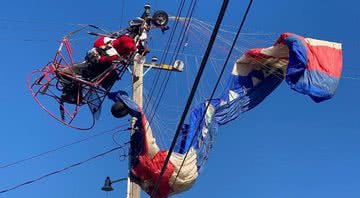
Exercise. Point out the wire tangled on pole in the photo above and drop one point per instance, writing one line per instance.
(219, 78)
(165, 53)
(192, 93)
(182, 37)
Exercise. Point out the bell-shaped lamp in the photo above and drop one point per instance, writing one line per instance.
(107, 186)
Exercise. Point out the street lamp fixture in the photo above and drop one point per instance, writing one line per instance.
(107, 186)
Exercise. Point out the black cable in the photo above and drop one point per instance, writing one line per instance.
(116, 129)
(62, 170)
(10, 20)
(217, 82)
(152, 109)
(192, 93)
(164, 83)
(164, 55)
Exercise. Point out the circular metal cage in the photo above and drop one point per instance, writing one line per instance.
(49, 85)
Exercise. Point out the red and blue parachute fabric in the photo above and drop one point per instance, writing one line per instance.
(148, 159)
(314, 66)
(309, 66)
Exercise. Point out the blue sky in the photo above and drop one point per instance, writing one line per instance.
(286, 147)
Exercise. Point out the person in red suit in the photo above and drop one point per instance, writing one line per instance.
(104, 53)
(107, 50)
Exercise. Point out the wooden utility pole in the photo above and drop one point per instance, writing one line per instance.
(133, 190)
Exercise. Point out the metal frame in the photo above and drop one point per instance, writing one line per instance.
(48, 82)
(41, 82)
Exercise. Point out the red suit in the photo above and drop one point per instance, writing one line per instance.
(111, 49)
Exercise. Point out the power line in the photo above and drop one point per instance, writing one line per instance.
(158, 73)
(192, 93)
(218, 80)
(63, 169)
(116, 129)
(174, 57)
(165, 53)
(9, 20)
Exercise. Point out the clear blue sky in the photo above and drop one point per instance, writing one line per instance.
(286, 147)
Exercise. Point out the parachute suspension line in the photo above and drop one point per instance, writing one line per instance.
(212, 60)
(161, 128)
(208, 26)
(264, 66)
(178, 47)
(158, 73)
(192, 93)
(218, 80)
(115, 130)
(187, 74)
(200, 30)
(153, 113)
(224, 49)
(268, 39)
(66, 168)
(165, 53)
(213, 64)
(351, 78)
(227, 42)
(202, 23)
(172, 120)
(174, 57)
(187, 33)
(202, 42)
(176, 52)
(201, 38)
(156, 127)
(163, 59)
(206, 86)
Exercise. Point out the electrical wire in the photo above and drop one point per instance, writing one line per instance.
(63, 147)
(192, 93)
(63, 169)
(165, 53)
(218, 80)
(174, 57)
(153, 109)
